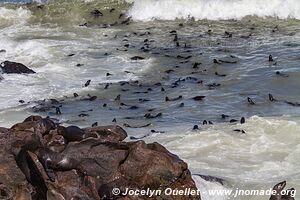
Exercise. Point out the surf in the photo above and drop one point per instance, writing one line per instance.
(147, 10)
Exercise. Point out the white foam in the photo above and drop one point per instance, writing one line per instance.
(206, 186)
(268, 151)
(20, 15)
(57, 74)
(146, 10)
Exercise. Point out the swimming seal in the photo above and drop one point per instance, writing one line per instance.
(281, 194)
(242, 120)
(149, 116)
(87, 83)
(57, 111)
(250, 101)
(174, 99)
(238, 130)
(282, 74)
(142, 126)
(221, 75)
(271, 98)
(198, 98)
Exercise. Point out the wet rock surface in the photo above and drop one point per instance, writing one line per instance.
(39, 161)
(9, 67)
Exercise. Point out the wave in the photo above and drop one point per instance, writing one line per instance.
(79, 11)
(146, 10)
(13, 16)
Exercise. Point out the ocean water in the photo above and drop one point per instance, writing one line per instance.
(43, 37)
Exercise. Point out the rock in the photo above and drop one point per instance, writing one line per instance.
(13, 182)
(9, 67)
(108, 165)
(111, 133)
(33, 118)
(36, 163)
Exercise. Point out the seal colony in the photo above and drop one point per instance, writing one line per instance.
(207, 80)
(50, 162)
(186, 72)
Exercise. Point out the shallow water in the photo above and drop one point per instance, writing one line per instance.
(42, 39)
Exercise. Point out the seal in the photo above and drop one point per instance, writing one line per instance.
(71, 133)
(233, 121)
(57, 111)
(96, 13)
(137, 58)
(198, 98)
(196, 127)
(221, 75)
(139, 138)
(282, 74)
(149, 116)
(20, 153)
(281, 194)
(242, 120)
(223, 116)
(118, 98)
(271, 98)
(173, 99)
(250, 101)
(87, 83)
(181, 105)
(239, 130)
(211, 178)
(44, 126)
(141, 126)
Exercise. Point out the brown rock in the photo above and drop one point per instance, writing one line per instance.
(36, 164)
(33, 118)
(12, 181)
(103, 166)
(111, 133)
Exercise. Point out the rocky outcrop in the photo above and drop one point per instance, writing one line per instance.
(13, 182)
(9, 67)
(40, 160)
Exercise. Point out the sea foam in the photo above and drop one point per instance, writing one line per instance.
(146, 10)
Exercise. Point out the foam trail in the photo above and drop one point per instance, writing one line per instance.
(146, 10)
